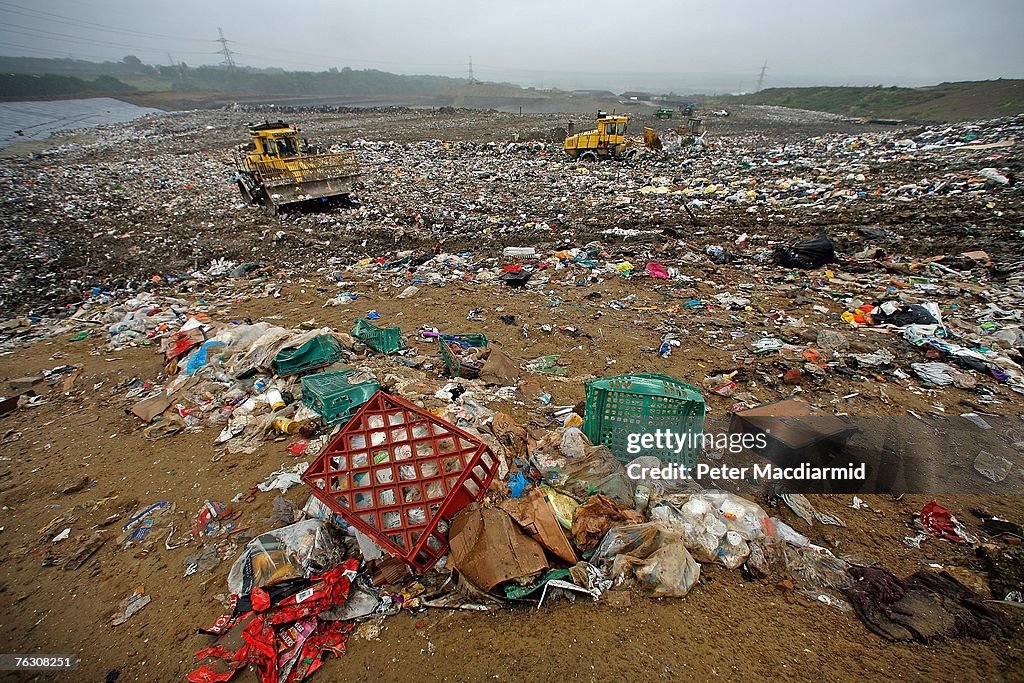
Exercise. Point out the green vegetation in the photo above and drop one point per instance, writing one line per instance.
(36, 77)
(70, 74)
(947, 101)
(51, 85)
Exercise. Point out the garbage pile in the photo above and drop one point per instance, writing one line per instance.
(435, 470)
(119, 206)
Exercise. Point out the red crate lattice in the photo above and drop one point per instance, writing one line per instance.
(395, 472)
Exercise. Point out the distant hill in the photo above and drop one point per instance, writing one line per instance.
(51, 85)
(29, 76)
(944, 102)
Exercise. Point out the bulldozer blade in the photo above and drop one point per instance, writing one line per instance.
(296, 193)
(651, 139)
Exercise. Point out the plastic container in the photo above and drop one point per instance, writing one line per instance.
(286, 425)
(642, 403)
(380, 339)
(399, 474)
(518, 254)
(274, 398)
(316, 353)
(457, 368)
(334, 396)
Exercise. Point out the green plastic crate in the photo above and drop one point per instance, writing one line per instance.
(380, 339)
(642, 403)
(456, 368)
(334, 396)
(317, 352)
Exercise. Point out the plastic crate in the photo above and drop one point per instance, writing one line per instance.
(456, 368)
(396, 472)
(334, 396)
(316, 353)
(642, 403)
(380, 339)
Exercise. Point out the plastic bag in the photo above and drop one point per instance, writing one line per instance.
(597, 471)
(574, 444)
(295, 551)
(638, 539)
(715, 525)
(652, 553)
(812, 253)
(810, 565)
(669, 572)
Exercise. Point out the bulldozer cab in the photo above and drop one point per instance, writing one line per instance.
(607, 139)
(274, 141)
(612, 128)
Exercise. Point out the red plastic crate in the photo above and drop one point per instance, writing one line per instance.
(395, 472)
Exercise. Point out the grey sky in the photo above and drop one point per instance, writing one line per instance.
(655, 45)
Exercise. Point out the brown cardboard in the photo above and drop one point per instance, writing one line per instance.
(537, 518)
(487, 548)
(20, 384)
(148, 409)
(499, 369)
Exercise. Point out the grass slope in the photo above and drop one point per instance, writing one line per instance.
(944, 102)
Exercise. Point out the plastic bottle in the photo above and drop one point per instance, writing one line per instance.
(286, 425)
(273, 397)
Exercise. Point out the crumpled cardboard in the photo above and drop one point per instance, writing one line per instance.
(147, 410)
(535, 515)
(510, 434)
(499, 369)
(488, 548)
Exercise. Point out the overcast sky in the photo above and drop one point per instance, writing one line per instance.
(654, 45)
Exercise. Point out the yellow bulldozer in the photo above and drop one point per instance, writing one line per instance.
(277, 173)
(607, 140)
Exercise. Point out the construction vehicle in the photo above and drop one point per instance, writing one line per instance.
(278, 173)
(664, 113)
(607, 140)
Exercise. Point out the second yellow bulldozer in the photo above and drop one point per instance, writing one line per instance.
(607, 140)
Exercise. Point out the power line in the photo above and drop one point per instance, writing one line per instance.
(68, 38)
(60, 53)
(338, 59)
(63, 19)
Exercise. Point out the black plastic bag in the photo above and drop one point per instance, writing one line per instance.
(812, 253)
(910, 314)
(517, 279)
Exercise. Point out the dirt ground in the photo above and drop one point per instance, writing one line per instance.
(727, 628)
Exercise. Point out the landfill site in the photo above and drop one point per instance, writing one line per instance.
(329, 394)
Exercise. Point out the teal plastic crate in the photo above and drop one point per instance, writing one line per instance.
(380, 339)
(456, 368)
(334, 396)
(316, 353)
(617, 407)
